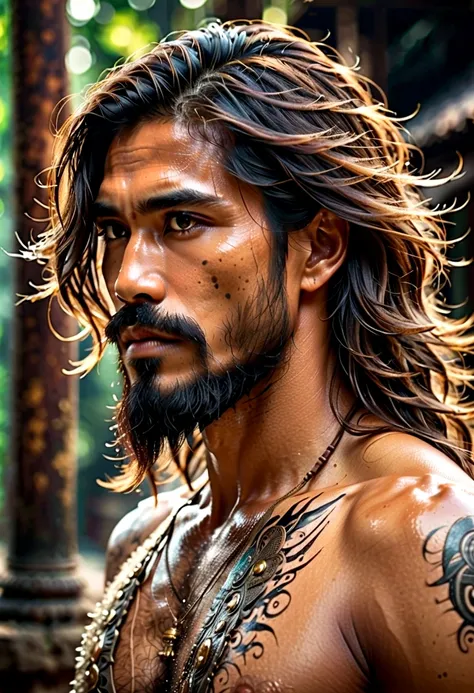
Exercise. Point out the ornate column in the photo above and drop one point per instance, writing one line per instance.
(40, 607)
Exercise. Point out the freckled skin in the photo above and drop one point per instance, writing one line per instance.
(361, 615)
(167, 263)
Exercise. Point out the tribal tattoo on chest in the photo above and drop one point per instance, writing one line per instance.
(255, 594)
(456, 559)
(239, 623)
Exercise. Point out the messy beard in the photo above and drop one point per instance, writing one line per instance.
(148, 419)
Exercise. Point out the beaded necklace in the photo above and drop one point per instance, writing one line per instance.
(94, 661)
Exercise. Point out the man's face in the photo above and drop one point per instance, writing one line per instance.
(187, 265)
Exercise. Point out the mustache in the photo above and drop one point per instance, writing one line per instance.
(147, 315)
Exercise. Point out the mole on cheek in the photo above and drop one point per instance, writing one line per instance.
(227, 296)
(204, 262)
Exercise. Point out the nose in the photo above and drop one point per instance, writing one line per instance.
(139, 278)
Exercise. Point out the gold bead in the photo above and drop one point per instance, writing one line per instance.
(233, 602)
(202, 654)
(220, 626)
(169, 637)
(97, 652)
(259, 567)
(92, 676)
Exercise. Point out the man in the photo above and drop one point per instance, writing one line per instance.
(238, 214)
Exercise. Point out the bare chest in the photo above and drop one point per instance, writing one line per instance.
(269, 625)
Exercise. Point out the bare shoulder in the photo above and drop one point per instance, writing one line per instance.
(410, 548)
(395, 453)
(409, 487)
(137, 525)
(401, 511)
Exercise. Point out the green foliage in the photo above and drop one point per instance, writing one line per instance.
(115, 32)
(103, 33)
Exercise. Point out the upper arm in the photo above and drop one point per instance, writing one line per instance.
(417, 562)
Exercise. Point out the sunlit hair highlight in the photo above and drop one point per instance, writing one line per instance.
(307, 130)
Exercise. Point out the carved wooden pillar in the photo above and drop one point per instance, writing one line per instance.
(40, 607)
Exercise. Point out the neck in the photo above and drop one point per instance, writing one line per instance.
(262, 448)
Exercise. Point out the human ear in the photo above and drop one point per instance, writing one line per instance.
(327, 237)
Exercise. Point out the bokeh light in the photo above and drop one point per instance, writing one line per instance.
(141, 5)
(105, 13)
(121, 36)
(81, 10)
(80, 40)
(192, 4)
(78, 59)
(128, 33)
(276, 15)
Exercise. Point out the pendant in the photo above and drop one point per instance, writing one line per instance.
(169, 638)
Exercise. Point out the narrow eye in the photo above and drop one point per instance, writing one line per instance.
(181, 222)
(112, 230)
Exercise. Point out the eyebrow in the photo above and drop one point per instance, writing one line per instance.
(185, 196)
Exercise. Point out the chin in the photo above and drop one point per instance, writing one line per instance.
(156, 374)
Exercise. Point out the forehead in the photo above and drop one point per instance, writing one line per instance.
(165, 155)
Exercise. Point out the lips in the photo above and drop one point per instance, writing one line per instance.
(144, 334)
(145, 342)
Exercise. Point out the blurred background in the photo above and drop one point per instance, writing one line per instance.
(420, 52)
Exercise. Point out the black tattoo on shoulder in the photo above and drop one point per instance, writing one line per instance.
(456, 558)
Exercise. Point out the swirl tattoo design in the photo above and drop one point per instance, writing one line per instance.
(255, 593)
(457, 563)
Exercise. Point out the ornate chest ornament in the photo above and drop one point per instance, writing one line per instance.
(95, 654)
(233, 603)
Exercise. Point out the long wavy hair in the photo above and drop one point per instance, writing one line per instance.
(310, 132)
